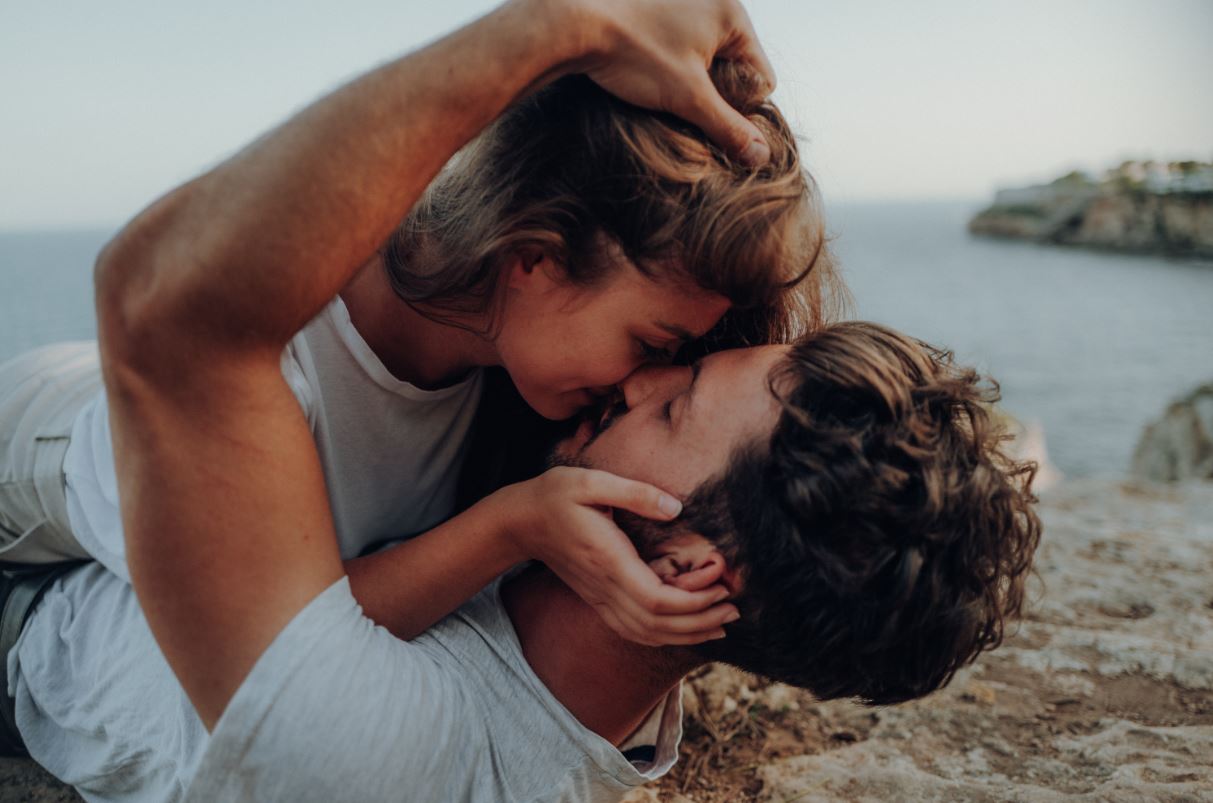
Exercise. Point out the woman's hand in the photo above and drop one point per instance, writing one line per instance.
(657, 55)
(563, 518)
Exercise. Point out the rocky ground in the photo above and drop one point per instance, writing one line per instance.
(1105, 693)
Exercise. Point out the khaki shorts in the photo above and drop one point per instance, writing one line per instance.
(41, 392)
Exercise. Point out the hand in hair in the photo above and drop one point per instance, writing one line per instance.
(561, 518)
(657, 55)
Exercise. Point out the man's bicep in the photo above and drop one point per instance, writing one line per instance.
(228, 528)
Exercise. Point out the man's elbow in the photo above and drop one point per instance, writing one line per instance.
(132, 286)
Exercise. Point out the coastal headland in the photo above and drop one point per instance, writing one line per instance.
(1138, 207)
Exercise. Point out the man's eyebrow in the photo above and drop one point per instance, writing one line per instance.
(696, 367)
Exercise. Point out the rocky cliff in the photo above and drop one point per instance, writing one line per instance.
(1114, 214)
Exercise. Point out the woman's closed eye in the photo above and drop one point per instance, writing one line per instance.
(655, 354)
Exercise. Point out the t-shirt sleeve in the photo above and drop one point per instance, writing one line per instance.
(339, 709)
(92, 498)
(296, 379)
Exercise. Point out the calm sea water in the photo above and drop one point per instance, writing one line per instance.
(46, 287)
(1092, 346)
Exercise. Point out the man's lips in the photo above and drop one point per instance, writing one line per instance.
(616, 407)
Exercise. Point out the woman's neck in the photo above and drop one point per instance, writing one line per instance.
(411, 346)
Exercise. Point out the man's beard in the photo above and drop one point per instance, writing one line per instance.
(555, 459)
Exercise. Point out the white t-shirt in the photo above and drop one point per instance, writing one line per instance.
(336, 709)
(391, 452)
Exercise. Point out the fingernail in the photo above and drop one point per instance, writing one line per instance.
(669, 505)
(756, 153)
(732, 617)
(719, 635)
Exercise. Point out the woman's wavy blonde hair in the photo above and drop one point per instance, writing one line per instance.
(571, 165)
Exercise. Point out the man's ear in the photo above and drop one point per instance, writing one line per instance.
(704, 572)
(692, 563)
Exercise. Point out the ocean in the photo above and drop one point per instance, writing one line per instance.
(1092, 346)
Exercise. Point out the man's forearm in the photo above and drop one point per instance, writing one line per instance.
(227, 522)
(246, 254)
(225, 510)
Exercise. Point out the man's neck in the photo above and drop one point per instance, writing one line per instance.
(411, 346)
(610, 685)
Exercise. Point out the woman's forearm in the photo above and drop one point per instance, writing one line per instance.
(409, 587)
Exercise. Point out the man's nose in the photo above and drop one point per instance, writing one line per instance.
(647, 380)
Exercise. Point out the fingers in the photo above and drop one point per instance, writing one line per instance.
(723, 124)
(746, 48)
(660, 599)
(683, 629)
(656, 631)
(606, 489)
(699, 578)
(665, 615)
(653, 613)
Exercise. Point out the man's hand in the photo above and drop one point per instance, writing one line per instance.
(657, 55)
(562, 519)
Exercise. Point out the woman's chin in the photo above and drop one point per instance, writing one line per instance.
(560, 406)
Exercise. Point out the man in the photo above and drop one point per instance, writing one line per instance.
(849, 491)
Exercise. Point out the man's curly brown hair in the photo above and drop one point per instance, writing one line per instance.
(883, 535)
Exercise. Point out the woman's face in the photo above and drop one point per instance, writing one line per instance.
(566, 345)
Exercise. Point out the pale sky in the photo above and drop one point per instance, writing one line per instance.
(104, 106)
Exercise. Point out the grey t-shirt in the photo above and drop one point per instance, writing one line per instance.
(336, 709)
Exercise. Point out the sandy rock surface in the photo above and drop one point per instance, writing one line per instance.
(1105, 692)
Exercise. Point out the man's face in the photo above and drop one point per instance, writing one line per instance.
(677, 426)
